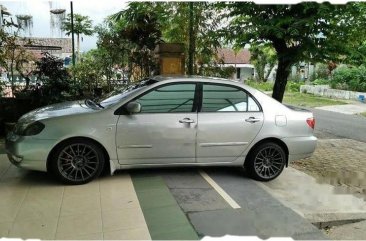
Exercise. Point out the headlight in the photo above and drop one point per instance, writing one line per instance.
(29, 130)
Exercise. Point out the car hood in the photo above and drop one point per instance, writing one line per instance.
(56, 110)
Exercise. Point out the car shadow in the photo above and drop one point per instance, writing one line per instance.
(161, 171)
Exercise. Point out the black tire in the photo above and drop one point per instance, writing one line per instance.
(266, 162)
(77, 161)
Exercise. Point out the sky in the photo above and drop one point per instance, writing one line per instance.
(97, 10)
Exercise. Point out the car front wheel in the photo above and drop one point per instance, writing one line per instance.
(266, 162)
(77, 161)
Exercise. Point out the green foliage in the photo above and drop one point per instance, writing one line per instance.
(139, 31)
(146, 24)
(321, 71)
(205, 23)
(3, 39)
(264, 86)
(263, 56)
(2, 86)
(218, 71)
(309, 100)
(93, 71)
(268, 86)
(55, 79)
(321, 82)
(357, 54)
(353, 79)
(82, 25)
(293, 86)
(306, 31)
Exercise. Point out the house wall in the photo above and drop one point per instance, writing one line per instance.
(246, 73)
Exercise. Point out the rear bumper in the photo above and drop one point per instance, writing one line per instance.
(300, 147)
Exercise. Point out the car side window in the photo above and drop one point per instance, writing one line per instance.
(168, 99)
(222, 98)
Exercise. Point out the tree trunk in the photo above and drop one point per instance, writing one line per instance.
(191, 47)
(12, 77)
(283, 71)
(78, 46)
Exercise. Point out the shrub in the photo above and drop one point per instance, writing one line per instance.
(321, 82)
(293, 86)
(349, 79)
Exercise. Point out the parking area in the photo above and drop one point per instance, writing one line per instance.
(157, 204)
(32, 205)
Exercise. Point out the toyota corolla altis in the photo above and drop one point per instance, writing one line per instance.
(164, 121)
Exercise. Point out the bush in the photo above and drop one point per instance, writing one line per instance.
(321, 72)
(293, 86)
(349, 79)
(321, 82)
(2, 85)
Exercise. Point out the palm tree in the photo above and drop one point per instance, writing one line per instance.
(82, 26)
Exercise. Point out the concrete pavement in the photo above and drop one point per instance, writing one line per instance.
(348, 109)
(314, 201)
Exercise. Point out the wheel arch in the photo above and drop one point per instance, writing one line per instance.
(104, 150)
(268, 140)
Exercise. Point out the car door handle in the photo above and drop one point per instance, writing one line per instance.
(252, 120)
(186, 120)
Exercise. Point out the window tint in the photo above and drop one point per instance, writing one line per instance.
(225, 98)
(168, 99)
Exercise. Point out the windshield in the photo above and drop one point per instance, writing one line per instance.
(116, 96)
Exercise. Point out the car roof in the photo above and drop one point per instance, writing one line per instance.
(187, 78)
(197, 78)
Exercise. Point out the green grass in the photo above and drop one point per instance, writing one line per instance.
(308, 100)
(263, 86)
(363, 114)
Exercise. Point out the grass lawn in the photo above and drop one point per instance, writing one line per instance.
(363, 113)
(308, 100)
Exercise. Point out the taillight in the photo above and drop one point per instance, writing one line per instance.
(311, 122)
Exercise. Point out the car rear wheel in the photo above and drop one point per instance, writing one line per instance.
(266, 162)
(77, 161)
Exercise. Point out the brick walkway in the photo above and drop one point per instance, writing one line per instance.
(340, 162)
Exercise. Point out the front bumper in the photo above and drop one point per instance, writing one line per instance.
(28, 152)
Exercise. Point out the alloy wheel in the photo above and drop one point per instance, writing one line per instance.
(269, 162)
(78, 162)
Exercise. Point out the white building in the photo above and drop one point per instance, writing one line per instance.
(239, 60)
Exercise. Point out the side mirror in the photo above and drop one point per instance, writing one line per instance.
(133, 107)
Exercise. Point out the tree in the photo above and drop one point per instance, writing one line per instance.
(82, 26)
(139, 25)
(194, 24)
(264, 59)
(357, 55)
(55, 78)
(305, 31)
(113, 49)
(87, 71)
(25, 64)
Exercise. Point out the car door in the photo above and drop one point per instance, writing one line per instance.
(229, 120)
(164, 131)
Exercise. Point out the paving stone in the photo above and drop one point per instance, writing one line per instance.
(193, 200)
(339, 162)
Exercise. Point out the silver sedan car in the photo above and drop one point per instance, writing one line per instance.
(164, 121)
